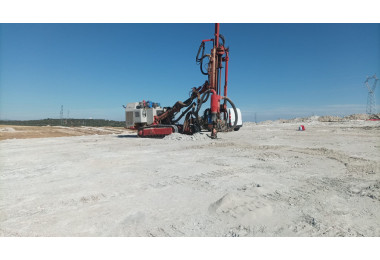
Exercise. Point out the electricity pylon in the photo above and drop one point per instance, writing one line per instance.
(371, 100)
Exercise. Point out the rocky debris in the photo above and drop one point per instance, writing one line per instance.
(330, 119)
(312, 119)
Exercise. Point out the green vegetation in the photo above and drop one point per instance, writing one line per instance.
(64, 122)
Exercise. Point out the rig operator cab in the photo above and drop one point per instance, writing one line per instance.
(140, 114)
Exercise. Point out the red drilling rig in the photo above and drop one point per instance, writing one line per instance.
(216, 118)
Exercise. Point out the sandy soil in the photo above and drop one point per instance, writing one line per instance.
(22, 132)
(264, 180)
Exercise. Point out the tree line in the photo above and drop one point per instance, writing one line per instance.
(64, 122)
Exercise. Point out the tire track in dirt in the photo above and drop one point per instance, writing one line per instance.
(354, 165)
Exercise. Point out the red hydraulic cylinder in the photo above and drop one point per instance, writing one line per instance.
(215, 105)
(215, 99)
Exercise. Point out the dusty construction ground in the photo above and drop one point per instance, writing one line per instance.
(265, 180)
(23, 132)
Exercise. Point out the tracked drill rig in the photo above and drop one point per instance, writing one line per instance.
(165, 121)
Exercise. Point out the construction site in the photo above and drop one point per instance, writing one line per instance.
(267, 179)
(195, 168)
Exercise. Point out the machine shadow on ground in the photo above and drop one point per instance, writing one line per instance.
(127, 136)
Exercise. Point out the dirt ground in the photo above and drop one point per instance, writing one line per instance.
(22, 132)
(267, 179)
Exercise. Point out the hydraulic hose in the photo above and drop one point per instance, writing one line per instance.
(183, 113)
(200, 60)
(201, 47)
(222, 38)
(235, 111)
(203, 99)
(201, 63)
(194, 110)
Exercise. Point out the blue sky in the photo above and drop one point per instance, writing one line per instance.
(275, 70)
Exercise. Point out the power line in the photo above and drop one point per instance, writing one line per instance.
(371, 100)
(61, 115)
